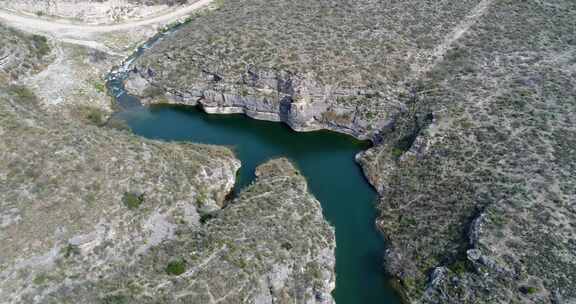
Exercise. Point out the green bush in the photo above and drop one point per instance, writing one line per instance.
(528, 290)
(95, 116)
(91, 114)
(71, 250)
(176, 267)
(41, 45)
(132, 200)
(115, 299)
(100, 87)
(459, 267)
(22, 93)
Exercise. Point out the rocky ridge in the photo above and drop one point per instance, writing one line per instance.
(311, 70)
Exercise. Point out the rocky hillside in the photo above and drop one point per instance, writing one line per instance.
(481, 209)
(21, 54)
(313, 64)
(470, 104)
(93, 11)
(97, 215)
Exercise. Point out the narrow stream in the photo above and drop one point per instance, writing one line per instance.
(325, 158)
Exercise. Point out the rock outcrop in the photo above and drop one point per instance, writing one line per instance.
(297, 100)
(21, 55)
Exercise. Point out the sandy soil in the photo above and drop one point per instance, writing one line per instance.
(65, 29)
(84, 53)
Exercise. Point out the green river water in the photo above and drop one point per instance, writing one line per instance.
(327, 161)
(325, 158)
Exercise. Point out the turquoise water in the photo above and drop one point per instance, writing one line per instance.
(327, 161)
(325, 158)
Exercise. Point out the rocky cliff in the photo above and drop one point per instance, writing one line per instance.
(311, 64)
(469, 105)
(97, 215)
(294, 99)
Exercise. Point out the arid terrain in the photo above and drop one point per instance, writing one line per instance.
(470, 106)
(93, 11)
(93, 214)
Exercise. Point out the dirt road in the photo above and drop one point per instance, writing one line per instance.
(62, 29)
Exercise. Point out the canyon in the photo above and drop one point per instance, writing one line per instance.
(468, 114)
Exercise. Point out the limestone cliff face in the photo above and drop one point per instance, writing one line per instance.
(295, 99)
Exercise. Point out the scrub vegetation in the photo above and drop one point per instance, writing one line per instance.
(176, 267)
(488, 186)
(91, 214)
(21, 54)
(345, 43)
(132, 200)
(344, 62)
(470, 105)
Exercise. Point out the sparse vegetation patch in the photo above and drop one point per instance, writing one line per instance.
(132, 200)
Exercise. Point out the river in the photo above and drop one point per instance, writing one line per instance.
(325, 158)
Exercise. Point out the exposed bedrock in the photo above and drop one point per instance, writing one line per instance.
(294, 99)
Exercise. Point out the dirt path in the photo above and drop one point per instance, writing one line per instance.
(61, 29)
(73, 78)
(447, 43)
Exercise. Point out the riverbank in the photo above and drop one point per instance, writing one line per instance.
(326, 159)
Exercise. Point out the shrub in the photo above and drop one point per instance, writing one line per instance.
(41, 45)
(100, 87)
(71, 250)
(528, 290)
(132, 200)
(91, 114)
(176, 267)
(95, 116)
(459, 267)
(22, 93)
(115, 299)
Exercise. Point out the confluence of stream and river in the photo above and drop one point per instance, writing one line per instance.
(325, 158)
